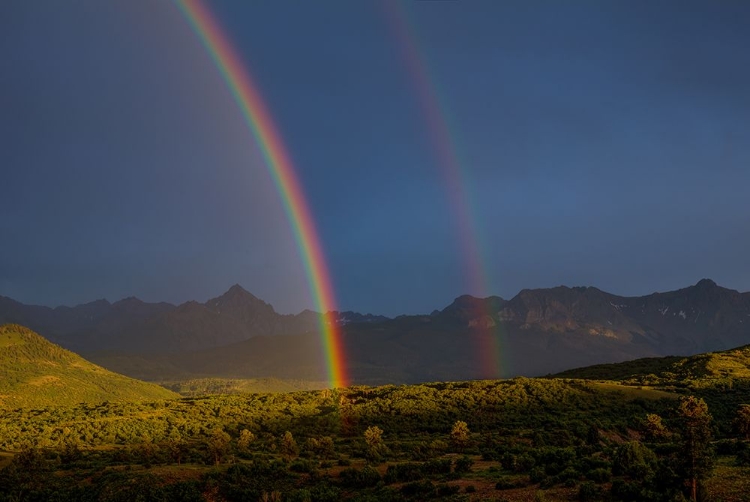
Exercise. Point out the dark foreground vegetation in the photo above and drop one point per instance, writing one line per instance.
(521, 439)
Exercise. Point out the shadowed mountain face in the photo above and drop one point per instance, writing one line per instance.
(135, 326)
(537, 332)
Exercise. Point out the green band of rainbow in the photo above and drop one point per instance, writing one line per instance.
(282, 171)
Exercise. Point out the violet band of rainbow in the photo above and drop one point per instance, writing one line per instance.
(280, 166)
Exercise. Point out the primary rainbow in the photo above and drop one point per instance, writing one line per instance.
(280, 166)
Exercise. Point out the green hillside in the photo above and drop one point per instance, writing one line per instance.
(703, 370)
(37, 373)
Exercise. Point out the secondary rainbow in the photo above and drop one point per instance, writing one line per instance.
(455, 174)
(279, 163)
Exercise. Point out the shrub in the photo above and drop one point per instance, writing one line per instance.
(437, 466)
(463, 464)
(537, 475)
(444, 490)
(418, 488)
(301, 465)
(399, 473)
(599, 475)
(588, 491)
(365, 478)
(524, 463)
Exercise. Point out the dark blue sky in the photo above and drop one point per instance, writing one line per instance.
(603, 143)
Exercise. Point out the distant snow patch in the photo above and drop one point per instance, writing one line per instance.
(682, 314)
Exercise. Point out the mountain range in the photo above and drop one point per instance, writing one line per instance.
(537, 332)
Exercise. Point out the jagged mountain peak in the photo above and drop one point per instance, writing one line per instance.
(237, 297)
(237, 291)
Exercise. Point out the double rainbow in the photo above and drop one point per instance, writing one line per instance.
(280, 166)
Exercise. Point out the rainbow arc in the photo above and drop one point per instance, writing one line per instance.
(260, 122)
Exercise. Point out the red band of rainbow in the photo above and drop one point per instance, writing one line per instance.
(280, 166)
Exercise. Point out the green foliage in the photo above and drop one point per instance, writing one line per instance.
(364, 478)
(742, 421)
(712, 370)
(634, 460)
(289, 446)
(588, 492)
(532, 434)
(197, 387)
(460, 435)
(696, 450)
(463, 464)
(36, 373)
(218, 445)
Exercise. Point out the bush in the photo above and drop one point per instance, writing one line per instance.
(634, 460)
(463, 464)
(444, 490)
(524, 463)
(437, 466)
(588, 491)
(537, 475)
(599, 475)
(301, 465)
(365, 478)
(399, 473)
(743, 457)
(418, 488)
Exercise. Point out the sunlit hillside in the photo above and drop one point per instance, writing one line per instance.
(702, 370)
(36, 373)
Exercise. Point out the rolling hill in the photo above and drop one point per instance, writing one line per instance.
(701, 370)
(37, 373)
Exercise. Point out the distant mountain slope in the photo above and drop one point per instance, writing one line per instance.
(137, 326)
(537, 332)
(701, 369)
(37, 373)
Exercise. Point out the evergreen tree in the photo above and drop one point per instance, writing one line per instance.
(696, 452)
(742, 422)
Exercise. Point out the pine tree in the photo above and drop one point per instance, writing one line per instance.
(696, 451)
(742, 422)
